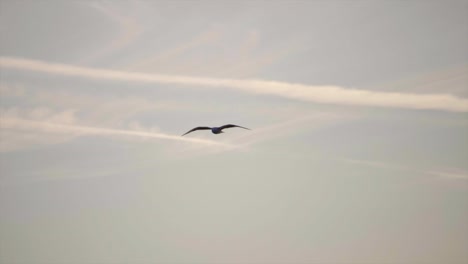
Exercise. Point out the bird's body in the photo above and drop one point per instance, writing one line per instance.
(214, 130)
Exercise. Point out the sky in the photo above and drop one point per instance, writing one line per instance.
(357, 151)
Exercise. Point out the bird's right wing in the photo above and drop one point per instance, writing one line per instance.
(230, 125)
(197, 128)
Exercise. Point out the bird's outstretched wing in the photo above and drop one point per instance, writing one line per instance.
(229, 126)
(197, 128)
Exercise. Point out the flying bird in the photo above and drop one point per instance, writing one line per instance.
(214, 130)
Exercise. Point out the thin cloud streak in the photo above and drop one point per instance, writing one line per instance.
(17, 123)
(304, 122)
(318, 94)
(448, 174)
(130, 30)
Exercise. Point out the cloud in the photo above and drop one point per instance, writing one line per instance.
(164, 58)
(11, 126)
(129, 30)
(12, 90)
(103, 110)
(14, 138)
(376, 164)
(447, 174)
(294, 124)
(453, 80)
(318, 94)
(454, 174)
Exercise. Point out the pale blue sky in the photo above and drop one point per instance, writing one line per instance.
(357, 154)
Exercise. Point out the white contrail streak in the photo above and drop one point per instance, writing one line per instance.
(16, 123)
(319, 94)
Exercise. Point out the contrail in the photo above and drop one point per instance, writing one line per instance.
(302, 92)
(16, 123)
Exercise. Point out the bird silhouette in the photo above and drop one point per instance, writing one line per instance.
(214, 130)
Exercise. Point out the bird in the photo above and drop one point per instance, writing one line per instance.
(214, 130)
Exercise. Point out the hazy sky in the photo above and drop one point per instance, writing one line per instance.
(357, 154)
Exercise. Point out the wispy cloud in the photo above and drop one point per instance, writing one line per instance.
(450, 174)
(129, 30)
(377, 164)
(293, 125)
(447, 174)
(76, 130)
(453, 80)
(102, 110)
(163, 59)
(319, 94)
(11, 90)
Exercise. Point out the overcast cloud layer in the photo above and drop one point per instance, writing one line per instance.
(356, 154)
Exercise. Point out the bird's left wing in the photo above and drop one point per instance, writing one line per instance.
(230, 125)
(197, 128)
